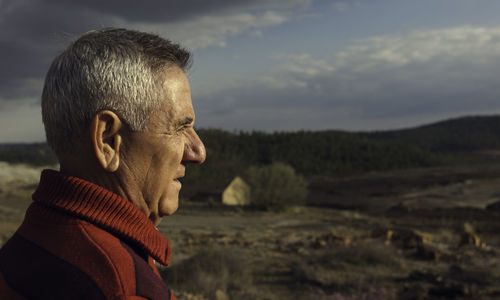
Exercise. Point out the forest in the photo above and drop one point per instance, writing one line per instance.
(324, 153)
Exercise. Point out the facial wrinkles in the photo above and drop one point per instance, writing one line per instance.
(171, 114)
(179, 93)
(151, 193)
(134, 169)
(176, 87)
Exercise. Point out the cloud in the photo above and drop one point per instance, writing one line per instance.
(375, 83)
(171, 11)
(304, 65)
(478, 44)
(34, 31)
(21, 122)
(343, 6)
(421, 72)
(213, 30)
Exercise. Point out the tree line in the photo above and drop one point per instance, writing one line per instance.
(321, 153)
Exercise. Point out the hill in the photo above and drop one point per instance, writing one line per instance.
(35, 154)
(325, 153)
(470, 133)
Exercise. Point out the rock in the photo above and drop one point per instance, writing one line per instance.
(409, 238)
(426, 252)
(495, 206)
(469, 237)
(188, 296)
(383, 233)
(240, 240)
(451, 291)
(329, 238)
(221, 295)
(472, 276)
(402, 237)
(400, 208)
(413, 292)
(425, 276)
(302, 251)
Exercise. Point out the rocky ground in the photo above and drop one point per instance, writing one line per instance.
(328, 254)
(420, 234)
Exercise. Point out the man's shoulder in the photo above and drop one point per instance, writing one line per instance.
(61, 251)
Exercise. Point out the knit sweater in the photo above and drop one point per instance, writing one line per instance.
(81, 241)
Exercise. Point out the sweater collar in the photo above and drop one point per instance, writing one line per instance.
(102, 208)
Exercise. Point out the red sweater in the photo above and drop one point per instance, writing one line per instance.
(81, 241)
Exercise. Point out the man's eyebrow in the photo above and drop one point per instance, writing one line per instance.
(185, 121)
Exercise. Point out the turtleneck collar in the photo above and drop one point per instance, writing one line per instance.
(102, 208)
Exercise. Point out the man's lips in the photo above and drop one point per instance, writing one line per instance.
(177, 178)
(180, 174)
(177, 182)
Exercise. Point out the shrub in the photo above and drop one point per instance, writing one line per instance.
(276, 186)
(210, 271)
(373, 293)
(346, 269)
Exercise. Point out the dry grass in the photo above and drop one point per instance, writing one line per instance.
(348, 269)
(20, 173)
(212, 273)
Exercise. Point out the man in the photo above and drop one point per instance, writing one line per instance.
(117, 111)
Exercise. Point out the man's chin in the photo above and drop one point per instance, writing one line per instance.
(168, 207)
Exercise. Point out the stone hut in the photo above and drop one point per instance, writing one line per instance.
(236, 193)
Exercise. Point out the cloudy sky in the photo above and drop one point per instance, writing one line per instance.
(279, 64)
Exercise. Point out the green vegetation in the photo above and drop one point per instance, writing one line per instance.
(332, 152)
(310, 153)
(276, 186)
(36, 154)
(456, 135)
(322, 153)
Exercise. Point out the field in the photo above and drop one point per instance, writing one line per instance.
(413, 234)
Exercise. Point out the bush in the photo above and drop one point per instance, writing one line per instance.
(347, 269)
(276, 186)
(373, 293)
(210, 271)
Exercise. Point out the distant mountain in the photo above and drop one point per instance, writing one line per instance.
(37, 154)
(311, 152)
(471, 133)
(455, 141)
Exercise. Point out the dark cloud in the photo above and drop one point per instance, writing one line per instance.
(169, 10)
(375, 83)
(357, 90)
(33, 31)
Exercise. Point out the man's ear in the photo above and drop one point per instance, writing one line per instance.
(106, 139)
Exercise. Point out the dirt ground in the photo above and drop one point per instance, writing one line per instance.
(417, 234)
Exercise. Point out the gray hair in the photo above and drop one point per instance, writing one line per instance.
(113, 69)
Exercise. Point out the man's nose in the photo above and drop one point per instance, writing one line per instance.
(194, 150)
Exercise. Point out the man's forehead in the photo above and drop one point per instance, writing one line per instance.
(175, 78)
(177, 106)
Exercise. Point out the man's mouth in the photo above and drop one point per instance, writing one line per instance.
(179, 179)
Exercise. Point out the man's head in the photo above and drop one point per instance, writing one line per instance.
(117, 111)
